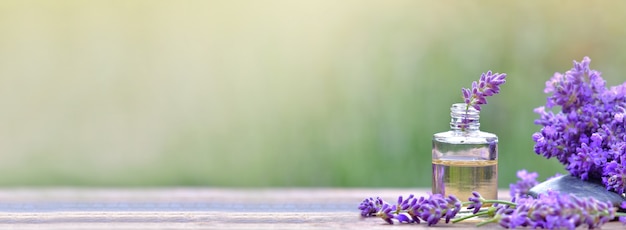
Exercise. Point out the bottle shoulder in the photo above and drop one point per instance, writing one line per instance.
(474, 137)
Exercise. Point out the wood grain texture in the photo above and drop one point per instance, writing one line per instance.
(199, 208)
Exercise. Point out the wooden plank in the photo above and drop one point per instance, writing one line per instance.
(199, 208)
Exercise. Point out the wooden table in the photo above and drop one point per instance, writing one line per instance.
(199, 208)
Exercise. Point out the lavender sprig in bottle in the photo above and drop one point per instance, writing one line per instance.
(465, 159)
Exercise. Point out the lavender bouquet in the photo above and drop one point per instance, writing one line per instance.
(588, 134)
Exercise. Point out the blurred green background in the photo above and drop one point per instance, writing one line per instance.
(277, 92)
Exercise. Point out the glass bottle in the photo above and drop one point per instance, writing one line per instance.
(465, 159)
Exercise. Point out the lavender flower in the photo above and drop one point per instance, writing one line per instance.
(557, 211)
(385, 213)
(488, 85)
(413, 210)
(618, 175)
(549, 211)
(371, 206)
(587, 135)
(526, 182)
(476, 202)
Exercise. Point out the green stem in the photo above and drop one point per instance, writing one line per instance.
(492, 202)
(620, 214)
(465, 117)
(509, 203)
(493, 220)
(466, 211)
(470, 216)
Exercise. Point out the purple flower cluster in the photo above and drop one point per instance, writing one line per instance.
(371, 206)
(555, 211)
(524, 184)
(588, 134)
(488, 85)
(413, 209)
(549, 211)
(476, 202)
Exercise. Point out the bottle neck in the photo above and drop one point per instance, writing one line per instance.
(464, 118)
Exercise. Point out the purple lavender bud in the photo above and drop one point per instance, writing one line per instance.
(490, 92)
(434, 217)
(615, 175)
(523, 186)
(452, 208)
(403, 218)
(386, 214)
(487, 85)
(583, 65)
(477, 202)
(466, 95)
(505, 222)
(619, 117)
(369, 207)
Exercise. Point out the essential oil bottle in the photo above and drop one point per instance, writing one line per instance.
(465, 159)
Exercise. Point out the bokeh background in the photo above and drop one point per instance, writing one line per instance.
(277, 92)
